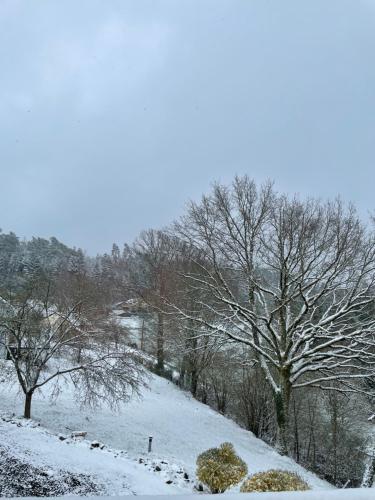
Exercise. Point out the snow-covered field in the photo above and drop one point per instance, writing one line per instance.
(181, 428)
(111, 473)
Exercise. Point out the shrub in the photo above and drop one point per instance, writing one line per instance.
(274, 480)
(220, 468)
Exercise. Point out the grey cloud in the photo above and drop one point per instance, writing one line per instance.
(114, 113)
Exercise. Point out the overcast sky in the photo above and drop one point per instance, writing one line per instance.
(113, 113)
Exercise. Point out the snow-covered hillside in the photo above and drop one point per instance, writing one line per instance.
(37, 453)
(181, 428)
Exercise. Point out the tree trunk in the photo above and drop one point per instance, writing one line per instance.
(204, 394)
(28, 398)
(143, 336)
(79, 354)
(181, 381)
(334, 433)
(282, 399)
(194, 383)
(160, 345)
(369, 474)
(296, 433)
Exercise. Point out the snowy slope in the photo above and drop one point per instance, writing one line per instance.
(113, 473)
(181, 428)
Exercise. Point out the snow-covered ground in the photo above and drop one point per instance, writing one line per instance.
(339, 494)
(181, 428)
(112, 473)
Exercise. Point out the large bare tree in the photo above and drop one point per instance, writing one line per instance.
(291, 279)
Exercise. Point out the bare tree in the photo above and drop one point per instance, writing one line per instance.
(154, 279)
(291, 279)
(41, 341)
(253, 402)
(199, 353)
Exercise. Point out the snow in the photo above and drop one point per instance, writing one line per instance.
(117, 474)
(130, 322)
(181, 428)
(133, 324)
(347, 494)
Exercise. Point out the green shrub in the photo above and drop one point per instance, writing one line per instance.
(274, 480)
(220, 468)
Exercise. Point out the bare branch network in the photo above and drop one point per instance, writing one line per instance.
(293, 280)
(46, 344)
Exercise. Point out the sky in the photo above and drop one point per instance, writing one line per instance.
(114, 113)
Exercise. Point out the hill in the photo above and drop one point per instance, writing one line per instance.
(181, 428)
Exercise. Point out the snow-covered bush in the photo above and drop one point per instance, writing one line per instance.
(220, 468)
(274, 480)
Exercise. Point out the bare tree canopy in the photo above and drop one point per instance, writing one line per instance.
(45, 343)
(292, 279)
